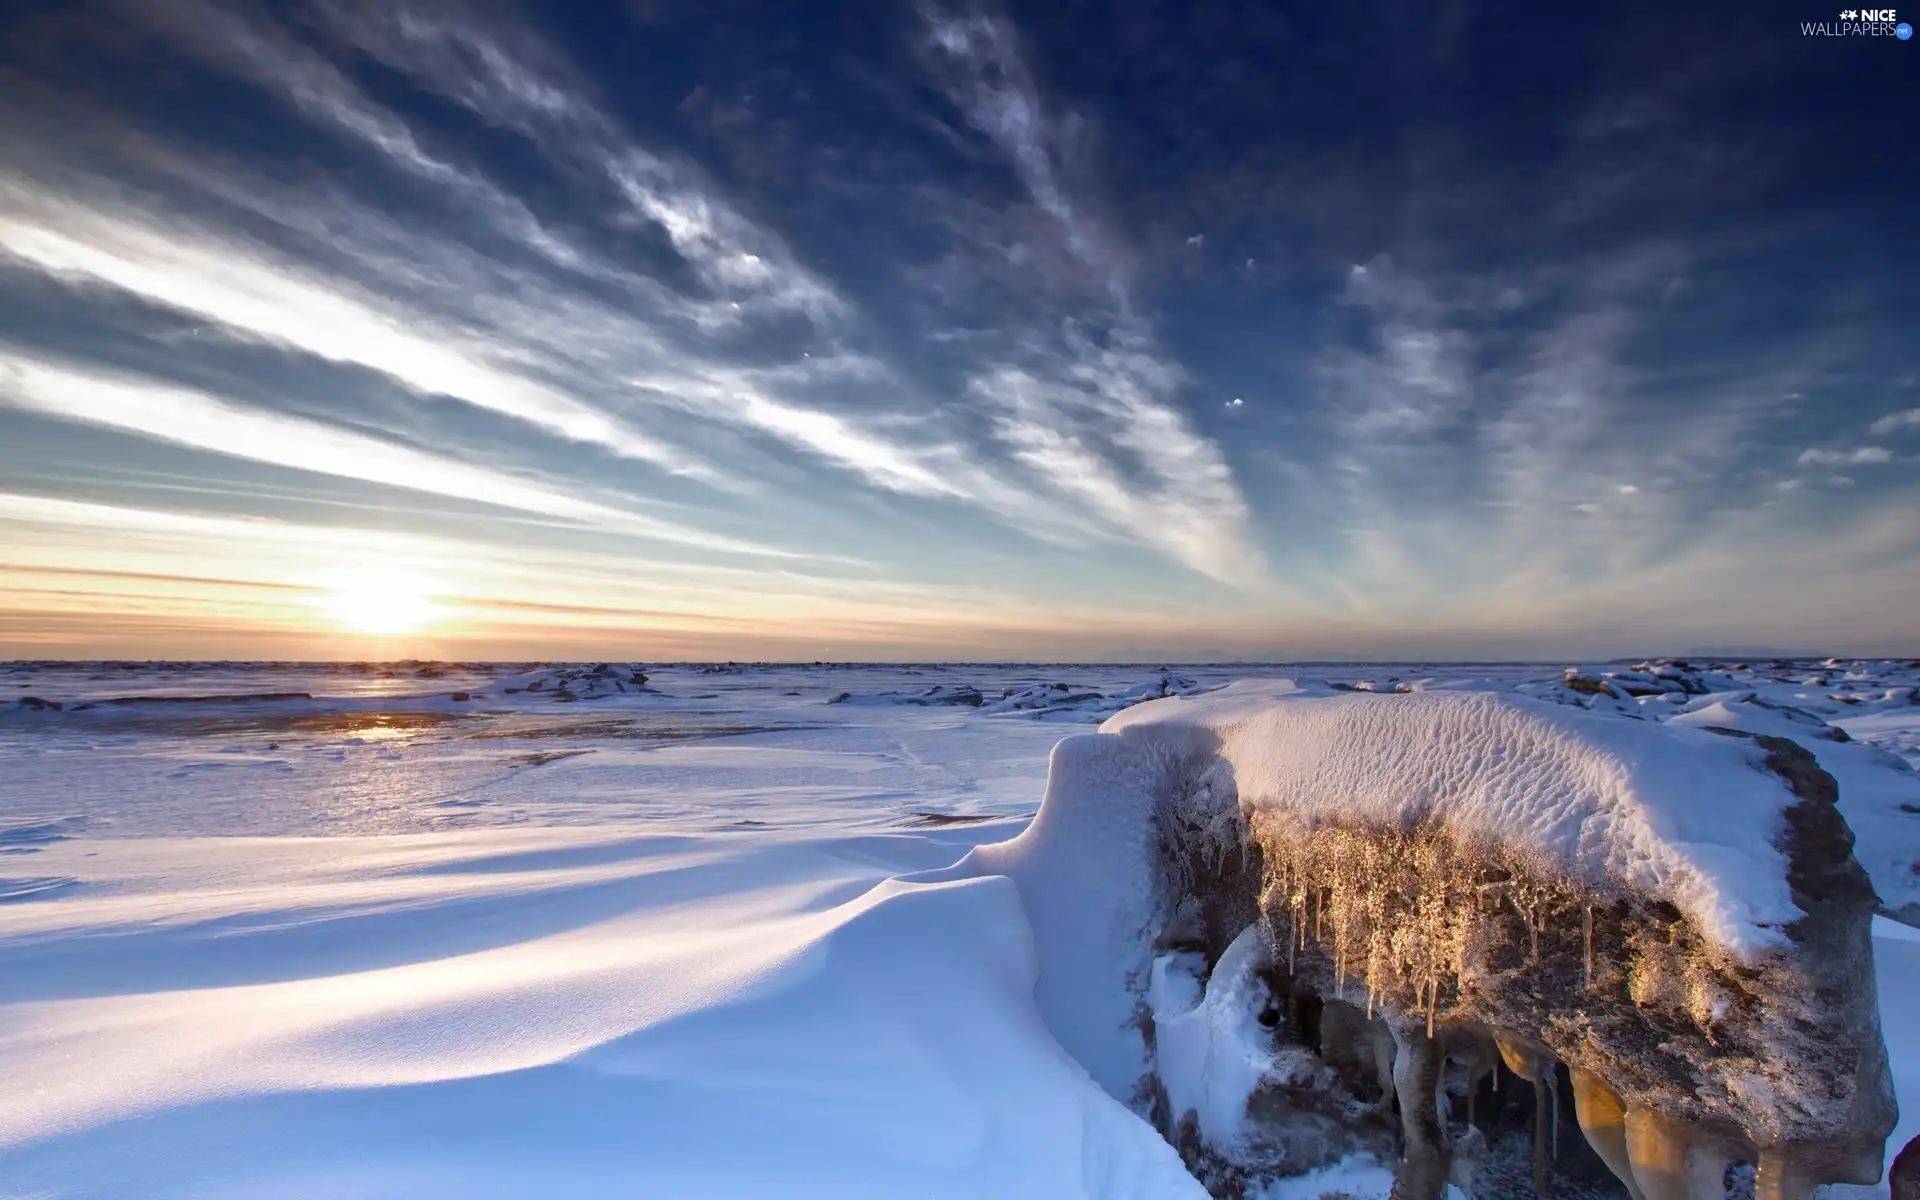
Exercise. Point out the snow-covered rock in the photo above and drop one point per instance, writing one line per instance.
(1593, 693)
(577, 682)
(1674, 913)
(1165, 684)
(1043, 699)
(944, 694)
(1065, 701)
(1879, 792)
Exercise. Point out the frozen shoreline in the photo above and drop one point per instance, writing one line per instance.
(382, 958)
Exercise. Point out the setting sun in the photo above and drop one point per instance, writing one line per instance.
(379, 602)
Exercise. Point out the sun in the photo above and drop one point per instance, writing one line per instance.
(383, 603)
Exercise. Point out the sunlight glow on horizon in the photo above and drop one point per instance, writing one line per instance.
(380, 602)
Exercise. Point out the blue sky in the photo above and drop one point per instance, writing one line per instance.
(665, 329)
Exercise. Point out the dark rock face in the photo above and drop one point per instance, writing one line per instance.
(1830, 1022)
(1904, 1177)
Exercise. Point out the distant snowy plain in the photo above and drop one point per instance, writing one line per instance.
(571, 934)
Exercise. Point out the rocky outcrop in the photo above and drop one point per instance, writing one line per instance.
(1687, 1052)
(1499, 940)
(1432, 933)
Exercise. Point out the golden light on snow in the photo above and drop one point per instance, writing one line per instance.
(384, 603)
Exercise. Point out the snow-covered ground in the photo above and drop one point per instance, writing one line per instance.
(442, 930)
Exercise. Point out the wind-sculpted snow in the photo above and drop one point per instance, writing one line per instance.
(657, 1010)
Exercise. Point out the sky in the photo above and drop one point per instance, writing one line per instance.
(727, 329)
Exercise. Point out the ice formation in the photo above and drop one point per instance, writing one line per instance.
(1233, 893)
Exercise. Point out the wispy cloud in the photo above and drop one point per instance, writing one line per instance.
(1895, 422)
(1094, 425)
(193, 419)
(507, 76)
(246, 291)
(1414, 376)
(241, 39)
(1497, 366)
(642, 371)
(1512, 433)
(1858, 456)
(1559, 410)
(1085, 398)
(987, 77)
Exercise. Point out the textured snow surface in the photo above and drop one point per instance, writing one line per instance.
(718, 937)
(1676, 814)
(526, 1013)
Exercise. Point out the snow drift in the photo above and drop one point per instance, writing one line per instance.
(1674, 914)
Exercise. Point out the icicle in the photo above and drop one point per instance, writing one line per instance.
(1555, 1094)
(1297, 938)
(1586, 921)
(1340, 957)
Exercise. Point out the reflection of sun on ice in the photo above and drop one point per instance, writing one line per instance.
(379, 602)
